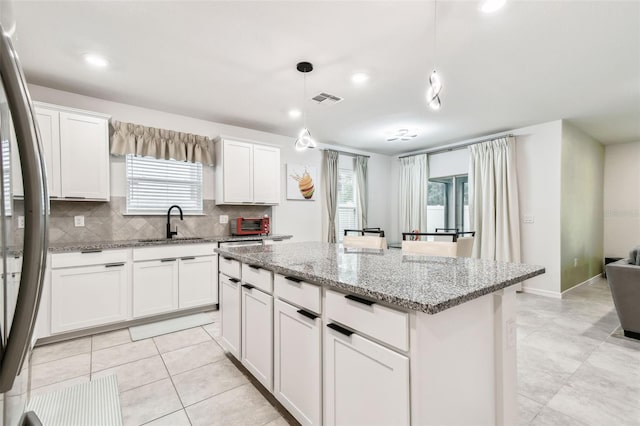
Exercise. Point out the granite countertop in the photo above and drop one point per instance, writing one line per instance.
(427, 284)
(105, 245)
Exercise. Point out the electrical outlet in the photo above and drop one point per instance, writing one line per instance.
(224, 218)
(575, 262)
(78, 221)
(527, 219)
(20, 222)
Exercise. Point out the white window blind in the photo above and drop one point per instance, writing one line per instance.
(6, 175)
(154, 185)
(347, 218)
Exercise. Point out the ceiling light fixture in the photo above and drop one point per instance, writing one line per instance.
(95, 60)
(304, 140)
(490, 6)
(402, 135)
(295, 113)
(359, 78)
(435, 83)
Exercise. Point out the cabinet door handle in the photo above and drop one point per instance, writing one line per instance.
(234, 280)
(91, 251)
(295, 280)
(254, 267)
(113, 265)
(248, 286)
(187, 258)
(168, 260)
(339, 329)
(307, 314)
(226, 258)
(359, 300)
(74, 198)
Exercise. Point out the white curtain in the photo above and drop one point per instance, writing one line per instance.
(362, 190)
(493, 200)
(414, 176)
(330, 167)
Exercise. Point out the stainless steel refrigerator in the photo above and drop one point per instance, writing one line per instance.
(23, 250)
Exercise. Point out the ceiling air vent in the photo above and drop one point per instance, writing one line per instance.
(326, 99)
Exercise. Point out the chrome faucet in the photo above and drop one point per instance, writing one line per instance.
(171, 233)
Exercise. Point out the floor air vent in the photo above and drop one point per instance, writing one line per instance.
(326, 99)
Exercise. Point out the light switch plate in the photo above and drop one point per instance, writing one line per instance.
(20, 222)
(78, 221)
(224, 218)
(527, 219)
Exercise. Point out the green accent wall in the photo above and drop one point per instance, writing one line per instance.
(581, 207)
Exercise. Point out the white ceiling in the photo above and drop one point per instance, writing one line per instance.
(234, 62)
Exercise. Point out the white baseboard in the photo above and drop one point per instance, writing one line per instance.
(557, 294)
(587, 282)
(542, 292)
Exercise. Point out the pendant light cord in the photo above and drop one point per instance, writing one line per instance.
(304, 98)
(435, 31)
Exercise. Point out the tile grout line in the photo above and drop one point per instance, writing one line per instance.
(172, 383)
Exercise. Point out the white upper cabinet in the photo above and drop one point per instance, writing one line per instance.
(84, 156)
(266, 174)
(246, 172)
(76, 151)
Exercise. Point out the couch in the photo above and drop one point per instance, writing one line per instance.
(624, 280)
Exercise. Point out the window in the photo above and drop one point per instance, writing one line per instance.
(346, 212)
(154, 185)
(448, 203)
(6, 176)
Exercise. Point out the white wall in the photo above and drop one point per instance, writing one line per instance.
(305, 220)
(621, 198)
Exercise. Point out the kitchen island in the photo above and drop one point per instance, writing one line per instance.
(375, 337)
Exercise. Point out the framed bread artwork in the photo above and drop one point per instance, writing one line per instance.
(302, 182)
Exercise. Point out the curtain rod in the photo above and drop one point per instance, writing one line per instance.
(453, 147)
(350, 154)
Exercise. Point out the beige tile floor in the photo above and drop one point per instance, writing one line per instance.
(183, 378)
(574, 368)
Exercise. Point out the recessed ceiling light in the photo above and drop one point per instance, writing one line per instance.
(490, 6)
(295, 113)
(402, 135)
(359, 77)
(96, 60)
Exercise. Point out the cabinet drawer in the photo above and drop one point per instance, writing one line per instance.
(176, 251)
(298, 292)
(229, 267)
(259, 277)
(380, 322)
(87, 258)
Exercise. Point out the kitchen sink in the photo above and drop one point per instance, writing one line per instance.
(158, 240)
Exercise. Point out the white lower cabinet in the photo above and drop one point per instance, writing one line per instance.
(257, 334)
(198, 283)
(88, 296)
(155, 287)
(364, 382)
(297, 335)
(230, 320)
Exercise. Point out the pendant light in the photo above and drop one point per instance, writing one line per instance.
(435, 84)
(304, 140)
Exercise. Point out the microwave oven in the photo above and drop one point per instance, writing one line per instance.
(248, 226)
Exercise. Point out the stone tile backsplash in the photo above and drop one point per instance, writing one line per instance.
(106, 221)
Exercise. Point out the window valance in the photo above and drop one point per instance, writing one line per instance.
(130, 138)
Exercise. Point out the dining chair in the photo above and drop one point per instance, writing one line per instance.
(364, 241)
(442, 236)
(430, 248)
(366, 231)
(465, 246)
